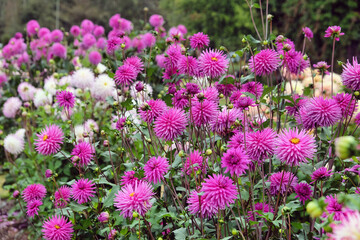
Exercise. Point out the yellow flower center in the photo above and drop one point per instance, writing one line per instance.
(132, 194)
(105, 84)
(214, 59)
(45, 137)
(295, 140)
(57, 226)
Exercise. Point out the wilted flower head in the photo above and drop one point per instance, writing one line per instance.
(265, 62)
(156, 168)
(58, 228)
(49, 140)
(308, 33)
(334, 32)
(134, 199)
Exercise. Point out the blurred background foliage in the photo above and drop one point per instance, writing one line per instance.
(226, 22)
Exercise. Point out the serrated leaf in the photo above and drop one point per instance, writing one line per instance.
(109, 200)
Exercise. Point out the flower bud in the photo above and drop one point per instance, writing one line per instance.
(85, 134)
(106, 143)
(345, 147)
(51, 198)
(116, 103)
(16, 194)
(285, 210)
(103, 217)
(181, 153)
(24, 114)
(208, 152)
(222, 48)
(200, 96)
(48, 173)
(102, 132)
(314, 209)
(135, 215)
(27, 104)
(269, 17)
(221, 95)
(122, 45)
(139, 86)
(356, 93)
(234, 232)
(230, 106)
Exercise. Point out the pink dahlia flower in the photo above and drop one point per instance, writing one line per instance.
(82, 190)
(334, 32)
(87, 26)
(57, 228)
(75, 30)
(265, 62)
(294, 147)
(34, 191)
(322, 66)
(303, 192)
(83, 154)
(171, 124)
(347, 104)
(103, 217)
(11, 107)
(197, 203)
(152, 109)
(62, 196)
(135, 62)
(134, 199)
(346, 228)
(65, 99)
(222, 124)
(57, 36)
(321, 174)
(263, 207)
(180, 99)
(351, 75)
(235, 161)
(49, 140)
(308, 33)
(199, 40)
(129, 178)
(226, 89)
(113, 44)
(334, 207)
(294, 62)
(204, 112)
(319, 112)
(280, 181)
(98, 31)
(236, 141)
(156, 20)
(188, 65)
(219, 191)
(193, 163)
(125, 75)
(156, 168)
(32, 27)
(254, 88)
(95, 57)
(261, 144)
(58, 50)
(33, 208)
(213, 63)
(173, 55)
(293, 110)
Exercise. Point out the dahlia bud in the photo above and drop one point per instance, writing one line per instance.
(116, 103)
(286, 47)
(106, 143)
(56, 75)
(146, 9)
(69, 122)
(103, 217)
(244, 40)
(269, 17)
(75, 159)
(85, 134)
(314, 209)
(221, 95)
(208, 152)
(345, 147)
(27, 104)
(356, 93)
(148, 139)
(145, 107)
(285, 210)
(201, 96)
(222, 48)
(230, 106)
(16, 194)
(234, 232)
(159, 96)
(139, 86)
(160, 238)
(233, 55)
(24, 114)
(280, 38)
(102, 132)
(48, 173)
(51, 61)
(265, 42)
(135, 215)
(122, 45)
(181, 153)
(51, 198)
(305, 57)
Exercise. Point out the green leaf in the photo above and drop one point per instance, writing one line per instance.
(180, 234)
(226, 80)
(77, 207)
(256, 5)
(109, 200)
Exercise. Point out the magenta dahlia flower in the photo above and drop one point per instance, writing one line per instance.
(62, 196)
(173, 55)
(75, 30)
(213, 63)
(156, 168)
(280, 181)
(265, 62)
(319, 112)
(188, 65)
(244, 102)
(204, 112)
(125, 75)
(197, 203)
(254, 88)
(294, 61)
(33, 207)
(156, 20)
(58, 50)
(296, 105)
(261, 144)
(347, 104)
(294, 147)
(95, 57)
(129, 178)
(57, 228)
(308, 33)
(199, 40)
(83, 154)
(259, 207)
(171, 124)
(322, 66)
(226, 89)
(180, 99)
(136, 62)
(113, 44)
(193, 163)
(219, 191)
(303, 192)
(65, 99)
(32, 27)
(134, 199)
(334, 207)
(112, 234)
(235, 161)
(236, 141)
(82, 190)
(321, 174)
(334, 32)
(34, 191)
(351, 75)
(222, 124)
(49, 140)
(152, 109)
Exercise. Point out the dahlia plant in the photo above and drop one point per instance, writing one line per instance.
(152, 134)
